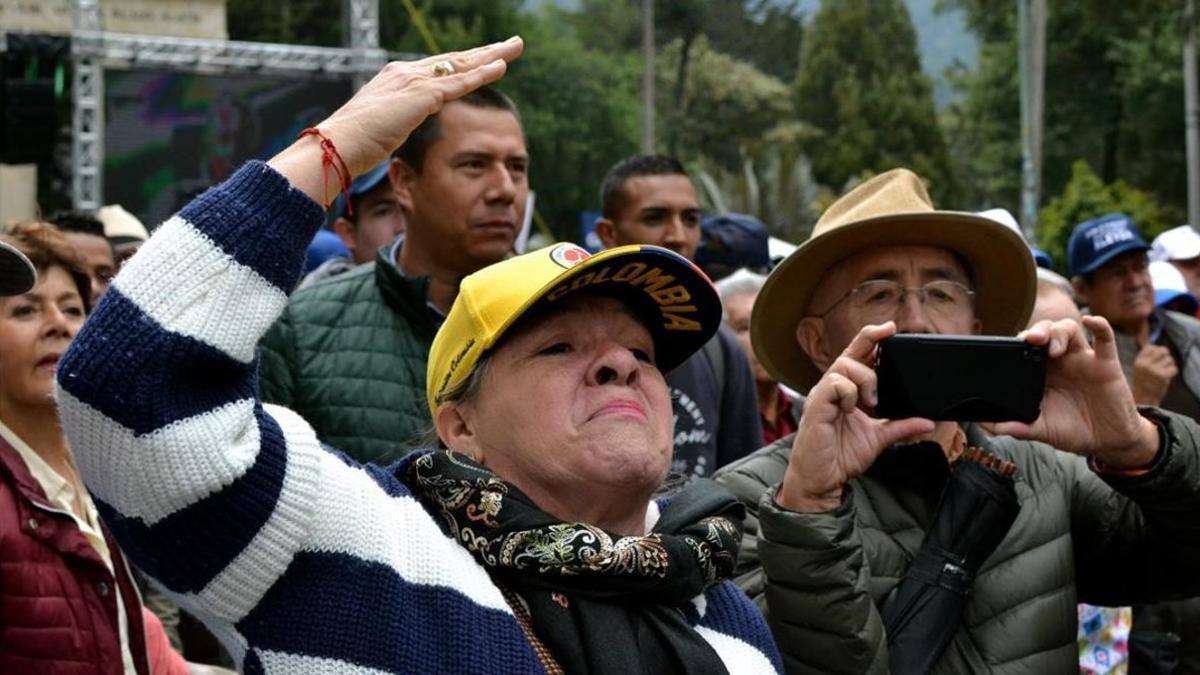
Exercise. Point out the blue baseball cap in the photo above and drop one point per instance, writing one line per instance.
(1095, 242)
(730, 241)
(361, 185)
(325, 245)
(1042, 258)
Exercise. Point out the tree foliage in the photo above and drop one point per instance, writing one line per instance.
(302, 22)
(727, 108)
(580, 109)
(860, 83)
(1087, 196)
(1113, 98)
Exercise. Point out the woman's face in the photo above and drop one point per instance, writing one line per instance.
(574, 399)
(35, 330)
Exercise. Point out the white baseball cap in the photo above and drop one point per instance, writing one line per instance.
(1169, 283)
(1177, 243)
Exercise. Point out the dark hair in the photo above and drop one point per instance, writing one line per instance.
(46, 247)
(77, 221)
(413, 151)
(612, 189)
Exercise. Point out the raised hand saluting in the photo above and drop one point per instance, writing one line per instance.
(381, 115)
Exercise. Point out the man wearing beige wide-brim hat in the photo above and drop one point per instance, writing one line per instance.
(841, 509)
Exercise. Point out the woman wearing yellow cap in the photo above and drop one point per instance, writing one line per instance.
(530, 543)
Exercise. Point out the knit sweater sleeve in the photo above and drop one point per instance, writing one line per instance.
(232, 506)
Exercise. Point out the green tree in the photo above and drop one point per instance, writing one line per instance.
(860, 83)
(580, 113)
(455, 24)
(1087, 196)
(1113, 98)
(727, 108)
(302, 22)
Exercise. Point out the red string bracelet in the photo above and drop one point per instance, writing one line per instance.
(328, 154)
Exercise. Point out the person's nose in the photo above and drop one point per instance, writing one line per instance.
(99, 286)
(1142, 279)
(911, 316)
(58, 324)
(503, 187)
(615, 364)
(676, 234)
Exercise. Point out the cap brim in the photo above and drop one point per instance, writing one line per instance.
(1001, 264)
(1162, 297)
(1126, 247)
(17, 274)
(679, 327)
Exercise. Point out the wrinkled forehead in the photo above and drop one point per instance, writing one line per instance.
(672, 192)
(488, 129)
(908, 264)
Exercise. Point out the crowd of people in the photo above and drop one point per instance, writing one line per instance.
(333, 415)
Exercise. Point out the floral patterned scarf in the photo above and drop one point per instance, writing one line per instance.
(598, 602)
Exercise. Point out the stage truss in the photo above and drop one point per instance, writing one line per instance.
(94, 50)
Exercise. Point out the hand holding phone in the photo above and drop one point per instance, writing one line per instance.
(837, 440)
(1088, 408)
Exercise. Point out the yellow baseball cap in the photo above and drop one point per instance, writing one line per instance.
(678, 302)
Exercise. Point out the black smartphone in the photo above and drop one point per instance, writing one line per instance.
(960, 378)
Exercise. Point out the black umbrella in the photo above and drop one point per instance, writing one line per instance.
(923, 612)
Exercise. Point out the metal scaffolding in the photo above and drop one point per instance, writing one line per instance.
(94, 50)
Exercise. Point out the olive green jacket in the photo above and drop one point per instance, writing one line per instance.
(349, 354)
(1079, 537)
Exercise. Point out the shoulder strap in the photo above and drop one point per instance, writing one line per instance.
(920, 617)
(714, 354)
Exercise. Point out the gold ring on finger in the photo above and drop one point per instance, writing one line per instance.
(443, 68)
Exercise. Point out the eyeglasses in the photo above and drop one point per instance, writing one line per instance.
(881, 299)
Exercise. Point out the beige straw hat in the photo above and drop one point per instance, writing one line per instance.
(890, 209)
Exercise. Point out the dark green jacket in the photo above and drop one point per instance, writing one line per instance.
(349, 355)
(1078, 538)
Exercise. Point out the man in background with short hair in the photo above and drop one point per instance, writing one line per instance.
(650, 200)
(374, 218)
(1110, 271)
(370, 220)
(350, 354)
(86, 235)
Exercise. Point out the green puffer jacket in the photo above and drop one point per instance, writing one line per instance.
(1078, 538)
(349, 354)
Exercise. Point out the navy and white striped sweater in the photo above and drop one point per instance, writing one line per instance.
(298, 559)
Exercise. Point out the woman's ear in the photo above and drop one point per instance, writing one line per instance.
(453, 424)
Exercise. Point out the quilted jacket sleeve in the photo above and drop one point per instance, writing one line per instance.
(807, 572)
(277, 357)
(1137, 539)
(822, 614)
